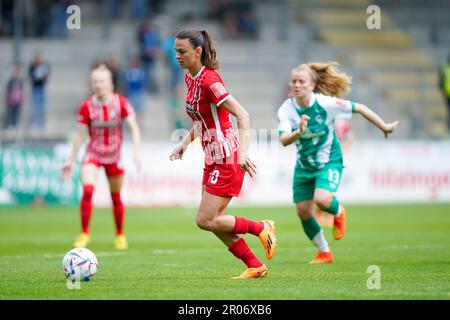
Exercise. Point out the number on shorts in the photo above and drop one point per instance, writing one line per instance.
(333, 176)
(214, 177)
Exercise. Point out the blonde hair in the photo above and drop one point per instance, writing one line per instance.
(327, 78)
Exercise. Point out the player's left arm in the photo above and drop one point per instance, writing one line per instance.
(136, 137)
(243, 123)
(371, 116)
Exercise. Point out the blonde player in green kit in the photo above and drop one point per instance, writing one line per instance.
(307, 118)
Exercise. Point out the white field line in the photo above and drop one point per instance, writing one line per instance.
(404, 247)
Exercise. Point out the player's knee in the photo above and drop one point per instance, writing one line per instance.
(88, 191)
(322, 200)
(204, 224)
(304, 214)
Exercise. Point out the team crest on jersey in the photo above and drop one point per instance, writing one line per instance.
(319, 119)
(218, 89)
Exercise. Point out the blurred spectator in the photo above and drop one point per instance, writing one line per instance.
(7, 17)
(115, 8)
(15, 95)
(237, 18)
(248, 25)
(135, 84)
(149, 44)
(113, 65)
(39, 72)
(42, 17)
(175, 79)
(58, 27)
(444, 83)
(139, 9)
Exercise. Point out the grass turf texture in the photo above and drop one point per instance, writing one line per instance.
(170, 258)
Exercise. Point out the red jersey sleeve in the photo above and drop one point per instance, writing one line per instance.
(126, 109)
(215, 89)
(83, 114)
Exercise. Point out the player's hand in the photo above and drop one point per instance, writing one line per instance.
(66, 171)
(178, 152)
(389, 128)
(247, 165)
(303, 123)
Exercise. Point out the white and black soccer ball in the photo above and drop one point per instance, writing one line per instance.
(80, 264)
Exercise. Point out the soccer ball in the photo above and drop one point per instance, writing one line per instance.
(79, 264)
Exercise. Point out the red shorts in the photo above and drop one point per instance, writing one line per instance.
(111, 169)
(224, 179)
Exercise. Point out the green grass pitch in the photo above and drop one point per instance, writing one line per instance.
(170, 258)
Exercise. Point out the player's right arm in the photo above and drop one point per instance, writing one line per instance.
(179, 150)
(83, 122)
(289, 138)
(286, 130)
(80, 137)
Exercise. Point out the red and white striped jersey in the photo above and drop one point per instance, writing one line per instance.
(206, 92)
(104, 121)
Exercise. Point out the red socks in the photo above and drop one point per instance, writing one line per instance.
(119, 212)
(242, 226)
(241, 251)
(86, 207)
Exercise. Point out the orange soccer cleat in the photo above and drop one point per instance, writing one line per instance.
(249, 273)
(322, 257)
(339, 225)
(268, 239)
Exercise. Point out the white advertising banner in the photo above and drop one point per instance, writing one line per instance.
(375, 172)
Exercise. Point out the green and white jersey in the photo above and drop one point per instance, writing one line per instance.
(318, 145)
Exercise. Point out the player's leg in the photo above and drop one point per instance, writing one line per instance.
(115, 181)
(303, 197)
(327, 184)
(225, 181)
(314, 232)
(89, 174)
(211, 216)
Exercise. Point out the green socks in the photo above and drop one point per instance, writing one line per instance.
(311, 227)
(334, 207)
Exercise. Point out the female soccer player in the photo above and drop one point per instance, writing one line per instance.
(307, 119)
(209, 104)
(100, 117)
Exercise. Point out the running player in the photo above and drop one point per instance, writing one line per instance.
(307, 119)
(100, 118)
(209, 105)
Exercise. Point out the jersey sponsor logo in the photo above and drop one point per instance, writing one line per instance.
(312, 135)
(103, 124)
(218, 89)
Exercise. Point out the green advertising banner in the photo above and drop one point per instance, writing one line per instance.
(33, 174)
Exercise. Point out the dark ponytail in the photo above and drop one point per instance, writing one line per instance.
(204, 40)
